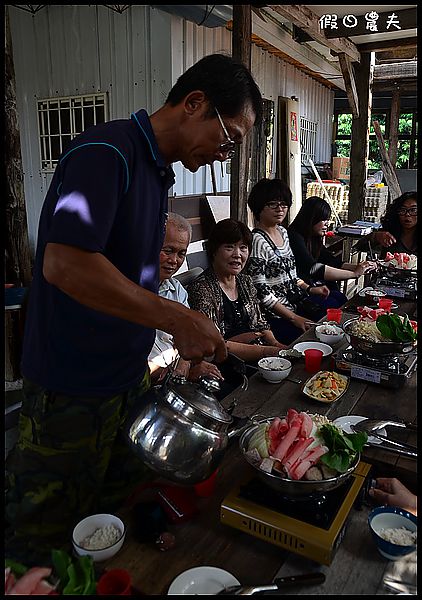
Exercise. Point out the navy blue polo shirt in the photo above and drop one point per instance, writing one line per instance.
(108, 195)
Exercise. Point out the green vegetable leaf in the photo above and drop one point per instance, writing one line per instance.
(358, 440)
(61, 561)
(339, 461)
(17, 569)
(76, 574)
(393, 328)
(342, 447)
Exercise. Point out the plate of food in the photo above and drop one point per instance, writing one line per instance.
(202, 580)
(302, 346)
(326, 386)
(400, 260)
(345, 422)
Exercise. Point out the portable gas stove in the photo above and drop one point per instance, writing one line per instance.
(387, 370)
(394, 287)
(313, 527)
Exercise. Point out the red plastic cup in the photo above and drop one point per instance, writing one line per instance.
(313, 359)
(385, 303)
(115, 582)
(334, 314)
(204, 489)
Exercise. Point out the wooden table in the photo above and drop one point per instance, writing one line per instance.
(204, 540)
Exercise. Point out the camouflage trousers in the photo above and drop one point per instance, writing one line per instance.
(70, 460)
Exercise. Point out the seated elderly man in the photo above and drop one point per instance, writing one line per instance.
(172, 256)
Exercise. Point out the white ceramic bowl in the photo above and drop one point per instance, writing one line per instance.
(391, 517)
(329, 338)
(87, 527)
(274, 368)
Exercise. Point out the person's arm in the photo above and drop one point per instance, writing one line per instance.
(306, 266)
(383, 238)
(300, 322)
(92, 280)
(251, 352)
(392, 492)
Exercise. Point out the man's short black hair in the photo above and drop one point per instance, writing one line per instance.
(226, 82)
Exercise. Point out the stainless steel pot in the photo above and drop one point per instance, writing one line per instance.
(396, 272)
(288, 487)
(181, 432)
(375, 348)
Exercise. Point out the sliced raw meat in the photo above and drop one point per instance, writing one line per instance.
(301, 466)
(30, 581)
(291, 415)
(307, 424)
(276, 431)
(288, 440)
(297, 452)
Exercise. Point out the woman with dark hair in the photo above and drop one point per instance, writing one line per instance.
(228, 297)
(399, 224)
(314, 262)
(272, 265)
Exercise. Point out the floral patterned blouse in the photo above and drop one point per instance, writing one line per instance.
(206, 296)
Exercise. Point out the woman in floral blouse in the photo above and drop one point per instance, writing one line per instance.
(273, 268)
(228, 297)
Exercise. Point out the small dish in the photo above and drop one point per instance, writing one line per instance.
(329, 338)
(202, 580)
(88, 526)
(274, 368)
(302, 346)
(391, 518)
(345, 422)
(362, 292)
(306, 386)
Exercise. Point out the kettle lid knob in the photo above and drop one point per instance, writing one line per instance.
(211, 384)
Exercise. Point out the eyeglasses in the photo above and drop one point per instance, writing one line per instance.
(229, 146)
(412, 211)
(275, 205)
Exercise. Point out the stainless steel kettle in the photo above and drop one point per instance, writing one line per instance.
(182, 431)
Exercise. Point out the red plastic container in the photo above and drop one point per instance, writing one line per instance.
(115, 582)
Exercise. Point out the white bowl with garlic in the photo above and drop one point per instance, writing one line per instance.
(100, 536)
(329, 332)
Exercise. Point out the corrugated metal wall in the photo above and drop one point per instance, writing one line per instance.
(80, 49)
(135, 57)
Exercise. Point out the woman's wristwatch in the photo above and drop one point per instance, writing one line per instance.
(308, 289)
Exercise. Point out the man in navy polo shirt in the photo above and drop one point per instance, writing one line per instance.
(93, 306)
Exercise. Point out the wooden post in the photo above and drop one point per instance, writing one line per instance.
(394, 126)
(387, 168)
(360, 138)
(241, 45)
(18, 256)
(213, 180)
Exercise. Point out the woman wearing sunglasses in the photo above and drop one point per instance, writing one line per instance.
(272, 265)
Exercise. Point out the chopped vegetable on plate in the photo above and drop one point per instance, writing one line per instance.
(326, 386)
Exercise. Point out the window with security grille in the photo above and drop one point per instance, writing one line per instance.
(61, 119)
(308, 135)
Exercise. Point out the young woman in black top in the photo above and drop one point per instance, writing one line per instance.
(314, 262)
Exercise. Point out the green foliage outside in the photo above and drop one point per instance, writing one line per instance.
(374, 157)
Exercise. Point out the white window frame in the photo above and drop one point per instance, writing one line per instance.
(46, 105)
(308, 136)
